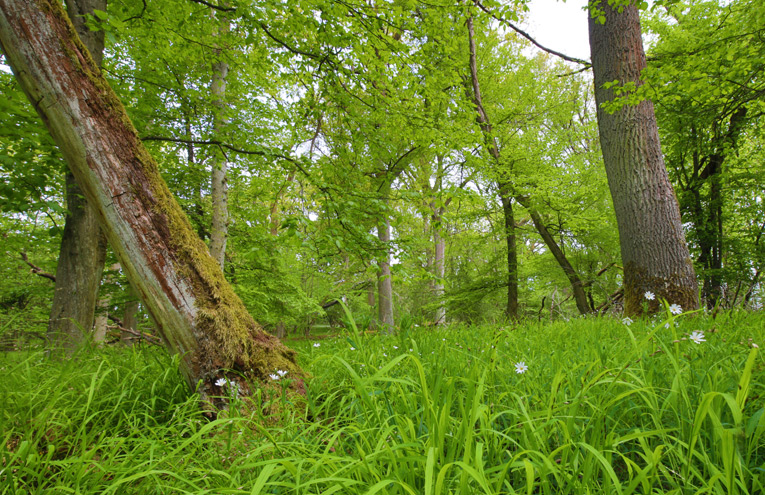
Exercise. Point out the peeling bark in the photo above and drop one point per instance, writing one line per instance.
(196, 311)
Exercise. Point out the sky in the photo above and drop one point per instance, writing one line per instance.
(560, 26)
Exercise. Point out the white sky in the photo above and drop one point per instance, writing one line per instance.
(560, 26)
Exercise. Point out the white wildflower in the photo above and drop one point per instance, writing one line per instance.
(649, 295)
(220, 382)
(627, 321)
(274, 376)
(316, 344)
(520, 367)
(675, 309)
(281, 373)
(698, 337)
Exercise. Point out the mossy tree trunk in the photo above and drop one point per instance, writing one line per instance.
(83, 246)
(654, 251)
(196, 311)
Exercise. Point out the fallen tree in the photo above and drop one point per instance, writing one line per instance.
(196, 311)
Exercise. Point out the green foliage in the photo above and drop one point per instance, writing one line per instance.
(602, 408)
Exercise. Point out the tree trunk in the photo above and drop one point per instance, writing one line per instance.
(196, 311)
(654, 252)
(580, 296)
(83, 246)
(384, 283)
(104, 303)
(511, 311)
(219, 228)
(506, 195)
(130, 320)
(440, 270)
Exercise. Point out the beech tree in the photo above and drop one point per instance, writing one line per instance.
(653, 247)
(195, 310)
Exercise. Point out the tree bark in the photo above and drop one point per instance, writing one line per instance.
(511, 310)
(653, 247)
(384, 283)
(83, 247)
(196, 311)
(219, 228)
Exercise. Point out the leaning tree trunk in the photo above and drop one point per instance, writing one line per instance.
(654, 252)
(196, 311)
(82, 253)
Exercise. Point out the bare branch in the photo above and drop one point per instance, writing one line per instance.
(532, 40)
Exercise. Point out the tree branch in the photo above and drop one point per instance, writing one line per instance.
(532, 40)
(36, 269)
(216, 7)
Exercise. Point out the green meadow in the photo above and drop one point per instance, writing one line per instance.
(600, 407)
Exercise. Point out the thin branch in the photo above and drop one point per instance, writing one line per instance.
(532, 40)
(216, 7)
(36, 269)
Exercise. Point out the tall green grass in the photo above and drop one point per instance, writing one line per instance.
(603, 408)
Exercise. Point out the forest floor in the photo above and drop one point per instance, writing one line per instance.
(591, 405)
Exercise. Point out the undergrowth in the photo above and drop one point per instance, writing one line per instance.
(602, 408)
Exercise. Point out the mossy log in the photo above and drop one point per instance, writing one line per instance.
(196, 311)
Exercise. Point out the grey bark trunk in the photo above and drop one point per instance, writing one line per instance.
(83, 246)
(653, 247)
(384, 283)
(440, 270)
(196, 311)
(219, 228)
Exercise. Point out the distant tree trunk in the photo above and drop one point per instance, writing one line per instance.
(440, 270)
(104, 303)
(654, 252)
(130, 320)
(83, 247)
(577, 287)
(196, 311)
(511, 310)
(219, 228)
(507, 195)
(384, 283)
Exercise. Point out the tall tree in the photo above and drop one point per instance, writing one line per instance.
(508, 195)
(219, 228)
(83, 246)
(196, 311)
(653, 247)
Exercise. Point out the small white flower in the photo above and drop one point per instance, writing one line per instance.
(666, 325)
(649, 295)
(675, 309)
(316, 344)
(220, 382)
(281, 373)
(411, 350)
(698, 337)
(353, 348)
(395, 347)
(274, 376)
(627, 321)
(385, 354)
(520, 367)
